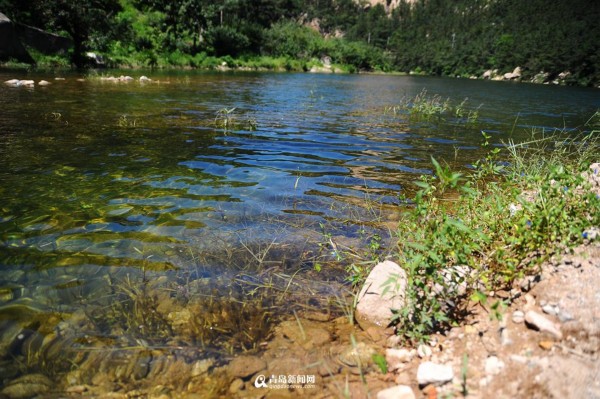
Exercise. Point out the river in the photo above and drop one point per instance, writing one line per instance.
(218, 176)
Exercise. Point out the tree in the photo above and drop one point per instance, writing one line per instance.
(79, 19)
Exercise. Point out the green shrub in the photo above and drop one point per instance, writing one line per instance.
(503, 222)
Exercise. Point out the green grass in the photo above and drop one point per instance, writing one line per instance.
(517, 207)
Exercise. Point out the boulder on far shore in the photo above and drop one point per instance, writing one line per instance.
(10, 44)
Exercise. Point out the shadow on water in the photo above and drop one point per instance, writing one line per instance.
(146, 233)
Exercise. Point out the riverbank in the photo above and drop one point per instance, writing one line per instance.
(282, 64)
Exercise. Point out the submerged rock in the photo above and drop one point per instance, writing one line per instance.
(357, 355)
(383, 291)
(27, 386)
(246, 366)
(18, 83)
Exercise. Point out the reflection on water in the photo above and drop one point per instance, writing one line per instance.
(104, 186)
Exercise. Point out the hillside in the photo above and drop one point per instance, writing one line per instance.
(459, 38)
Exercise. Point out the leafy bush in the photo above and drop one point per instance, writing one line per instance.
(225, 40)
(504, 222)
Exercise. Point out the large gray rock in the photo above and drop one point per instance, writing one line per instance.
(10, 44)
(383, 291)
(44, 42)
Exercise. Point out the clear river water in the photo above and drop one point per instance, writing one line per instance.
(103, 182)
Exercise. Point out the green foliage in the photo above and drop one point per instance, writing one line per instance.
(464, 38)
(460, 38)
(502, 223)
(288, 39)
(380, 362)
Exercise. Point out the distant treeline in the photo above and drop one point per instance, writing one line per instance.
(441, 37)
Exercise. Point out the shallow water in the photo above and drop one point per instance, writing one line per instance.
(104, 182)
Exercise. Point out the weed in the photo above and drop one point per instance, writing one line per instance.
(125, 121)
(380, 361)
(227, 120)
(427, 107)
(459, 250)
(463, 375)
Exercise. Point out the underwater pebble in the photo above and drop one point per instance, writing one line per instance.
(245, 366)
(359, 354)
(27, 386)
(202, 367)
(236, 386)
(78, 389)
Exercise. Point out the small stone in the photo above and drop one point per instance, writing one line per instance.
(529, 282)
(493, 365)
(396, 358)
(593, 232)
(519, 359)
(397, 392)
(431, 391)
(518, 317)
(469, 329)
(432, 373)
(424, 351)
(245, 366)
(565, 316)
(201, 367)
(505, 337)
(145, 79)
(27, 386)
(530, 301)
(44, 83)
(546, 345)
(393, 341)
(541, 323)
(360, 354)
(77, 389)
(236, 386)
(550, 309)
